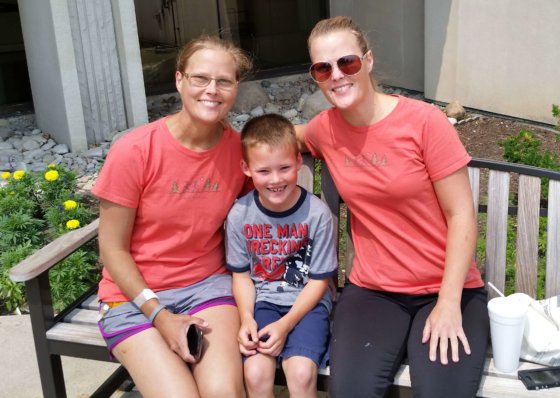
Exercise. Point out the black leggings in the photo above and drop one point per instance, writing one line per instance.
(375, 331)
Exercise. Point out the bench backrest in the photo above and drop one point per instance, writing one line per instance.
(510, 213)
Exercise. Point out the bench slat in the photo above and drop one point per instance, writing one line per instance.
(493, 384)
(496, 229)
(474, 180)
(498, 384)
(527, 249)
(552, 287)
(82, 317)
(330, 197)
(305, 174)
(90, 303)
(83, 334)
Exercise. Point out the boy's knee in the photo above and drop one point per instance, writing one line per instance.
(301, 376)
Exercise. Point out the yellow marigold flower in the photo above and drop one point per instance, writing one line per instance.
(6, 175)
(19, 174)
(70, 204)
(72, 224)
(51, 175)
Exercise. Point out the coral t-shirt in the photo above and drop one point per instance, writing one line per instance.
(385, 174)
(182, 199)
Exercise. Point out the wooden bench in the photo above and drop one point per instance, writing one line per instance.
(74, 331)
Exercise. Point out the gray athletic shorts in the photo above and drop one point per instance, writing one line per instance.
(119, 321)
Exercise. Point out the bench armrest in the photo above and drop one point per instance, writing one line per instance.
(49, 255)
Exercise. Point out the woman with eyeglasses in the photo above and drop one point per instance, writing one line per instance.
(165, 190)
(414, 291)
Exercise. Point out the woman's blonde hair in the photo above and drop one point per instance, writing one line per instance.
(243, 63)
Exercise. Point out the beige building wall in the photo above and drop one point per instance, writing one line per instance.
(500, 56)
(395, 30)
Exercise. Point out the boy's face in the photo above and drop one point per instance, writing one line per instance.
(274, 173)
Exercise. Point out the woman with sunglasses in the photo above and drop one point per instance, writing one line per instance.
(165, 191)
(414, 291)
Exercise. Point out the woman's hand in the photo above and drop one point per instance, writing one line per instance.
(274, 336)
(444, 327)
(173, 329)
(248, 337)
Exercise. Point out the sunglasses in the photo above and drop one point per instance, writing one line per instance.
(349, 65)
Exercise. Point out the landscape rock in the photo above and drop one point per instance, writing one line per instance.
(30, 144)
(455, 110)
(290, 114)
(315, 104)
(5, 132)
(249, 96)
(60, 149)
(258, 111)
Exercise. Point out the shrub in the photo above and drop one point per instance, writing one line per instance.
(525, 148)
(12, 293)
(35, 208)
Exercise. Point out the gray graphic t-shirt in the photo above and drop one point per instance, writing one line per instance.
(282, 250)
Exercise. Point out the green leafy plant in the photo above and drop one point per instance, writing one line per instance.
(525, 148)
(19, 228)
(12, 293)
(72, 277)
(556, 114)
(36, 208)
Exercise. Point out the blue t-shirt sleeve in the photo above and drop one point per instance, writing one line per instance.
(324, 262)
(237, 255)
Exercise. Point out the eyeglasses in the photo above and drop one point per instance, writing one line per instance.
(349, 65)
(204, 81)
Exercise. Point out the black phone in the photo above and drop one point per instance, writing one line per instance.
(194, 341)
(536, 379)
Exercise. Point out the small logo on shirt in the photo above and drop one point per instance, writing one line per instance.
(365, 159)
(196, 186)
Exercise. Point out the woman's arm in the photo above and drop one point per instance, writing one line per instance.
(300, 135)
(444, 324)
(115, 231)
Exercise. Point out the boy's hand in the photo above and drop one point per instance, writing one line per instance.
(274, 336)
(248, 337)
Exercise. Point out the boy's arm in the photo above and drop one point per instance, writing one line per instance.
(277, 331)
(245, 295)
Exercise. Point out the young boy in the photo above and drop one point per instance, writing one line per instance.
(280, 248)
